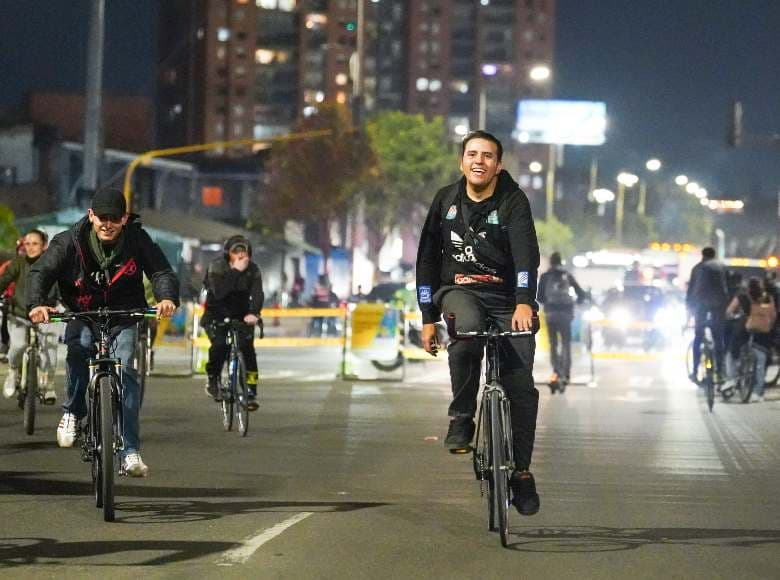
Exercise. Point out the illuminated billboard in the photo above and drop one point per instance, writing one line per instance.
(561, 122)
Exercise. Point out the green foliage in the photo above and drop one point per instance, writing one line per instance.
(8, 232)
(638, 231)
(554, 236)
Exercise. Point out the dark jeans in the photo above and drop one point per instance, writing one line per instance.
(80, 343)
(219, 349)
(472, 310)
(559, 329)
(716, 325)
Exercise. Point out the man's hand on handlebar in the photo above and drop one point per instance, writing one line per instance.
(165, 309)
(40, 314)
(430, 341)
(251, 319)
(522, 319)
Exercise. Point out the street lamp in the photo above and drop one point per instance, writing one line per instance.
(540, 73)
(624, 180)
(681, 180)
(535, 167)
(652, 165)
(602, 196)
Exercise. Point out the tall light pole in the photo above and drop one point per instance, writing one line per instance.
(652, 165)
(93, 125)
(624, 180)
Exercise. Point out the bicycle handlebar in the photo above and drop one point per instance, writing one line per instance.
(104, 314)
(491, 332)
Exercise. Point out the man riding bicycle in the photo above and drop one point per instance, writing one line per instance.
(234, 290)
(478, 259)
(99, 263)
(706, 299)
(35, 244)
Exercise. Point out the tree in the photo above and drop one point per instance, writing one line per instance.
(413, 159)
(554, 236)
(8, 232)
(313, 180)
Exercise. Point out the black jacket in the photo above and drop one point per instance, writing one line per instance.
(707, 287)
(18, 272)
(69, 262)
(230, 293)
(545, 279)
(446, 258)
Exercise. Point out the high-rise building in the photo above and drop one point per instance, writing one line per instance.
(234, 69)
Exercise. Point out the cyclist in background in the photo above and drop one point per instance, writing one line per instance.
(708, 295)
(234, 290)
(557, 289)
(478, 258)
(35, 244)
(100, 263)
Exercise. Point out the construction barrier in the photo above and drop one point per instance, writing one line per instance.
(373, 342)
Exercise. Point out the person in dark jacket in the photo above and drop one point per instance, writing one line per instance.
(478, 258)
(100, 262)
(35, 243)
(234, 290)
(707, 298)
(555, 295)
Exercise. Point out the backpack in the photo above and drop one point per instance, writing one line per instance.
(558, 290)
(762, 317)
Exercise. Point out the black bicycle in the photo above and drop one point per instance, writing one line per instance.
(103, 431)
(30, 393)
(235, 391)
(493, 456)
(144, 354)
(746, 370)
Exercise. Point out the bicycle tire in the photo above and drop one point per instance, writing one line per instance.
(91, 445)
(228, 397)
(242, 407)
(772, 365)
(709, 379)
(746, 369)
(30, 393)
(689, 359)
(107, 446)
(141, 366)
(499, 468)
(488, 465)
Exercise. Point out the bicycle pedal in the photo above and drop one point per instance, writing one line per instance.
(461, 450)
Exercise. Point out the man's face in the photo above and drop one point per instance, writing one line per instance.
(107, 227)
(33, 245)
(480, 163)
(237, 253)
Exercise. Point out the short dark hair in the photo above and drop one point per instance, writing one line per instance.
(708, 253)
(480, 134)
(555, 259)
(40, 233)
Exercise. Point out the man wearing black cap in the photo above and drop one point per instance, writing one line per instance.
(234, 289)
(100, 262)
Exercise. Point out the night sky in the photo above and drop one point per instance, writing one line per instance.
(667, 70)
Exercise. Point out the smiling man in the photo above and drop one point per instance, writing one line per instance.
(100, 263)
(478, 259)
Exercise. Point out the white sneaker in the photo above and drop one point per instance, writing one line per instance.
(134, 465)
(68, 430)
(49, 396)
(9, 386)
(756, 398)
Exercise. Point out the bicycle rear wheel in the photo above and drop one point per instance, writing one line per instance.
(746, 373)
(709, 379)
(106, 447)
(500, 469)
(485, 459)
(242, 408)
(228, 395)
(772, 367)
(30, 393)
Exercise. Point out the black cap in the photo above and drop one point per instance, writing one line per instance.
(109, 202)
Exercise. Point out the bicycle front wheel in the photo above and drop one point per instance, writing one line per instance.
(106, 448)
(499, 467)
(228, 396)
(141, 354)
(242, 408)
(746, 375)
(30, 393)
(772, 373)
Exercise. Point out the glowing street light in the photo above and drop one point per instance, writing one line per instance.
(701, 193)
(692, 187)
(627, 179)
(653, 164)
(540, 73)
(535, 167)
(681, 180)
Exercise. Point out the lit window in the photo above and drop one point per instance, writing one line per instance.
(341, 79)
(341, 97)
(320, 96)
(282, 56)
(422, 84)
(264, 56)
(221, 52)
(286, 5)
(461, 87)
(309, 111)
(434, 85)
(267, 4)
(316, 21)
(223, 34)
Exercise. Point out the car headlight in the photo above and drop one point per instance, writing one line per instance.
(593, 314)
(621, 317)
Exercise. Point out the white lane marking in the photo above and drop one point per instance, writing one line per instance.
(250, 545)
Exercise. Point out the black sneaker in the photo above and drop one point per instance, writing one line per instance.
(251, 400)
(460, 433)
(524, 496)
(213, 388)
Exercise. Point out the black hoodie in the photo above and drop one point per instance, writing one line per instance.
(446, 258)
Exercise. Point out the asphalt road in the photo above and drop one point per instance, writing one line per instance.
(349, 479)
